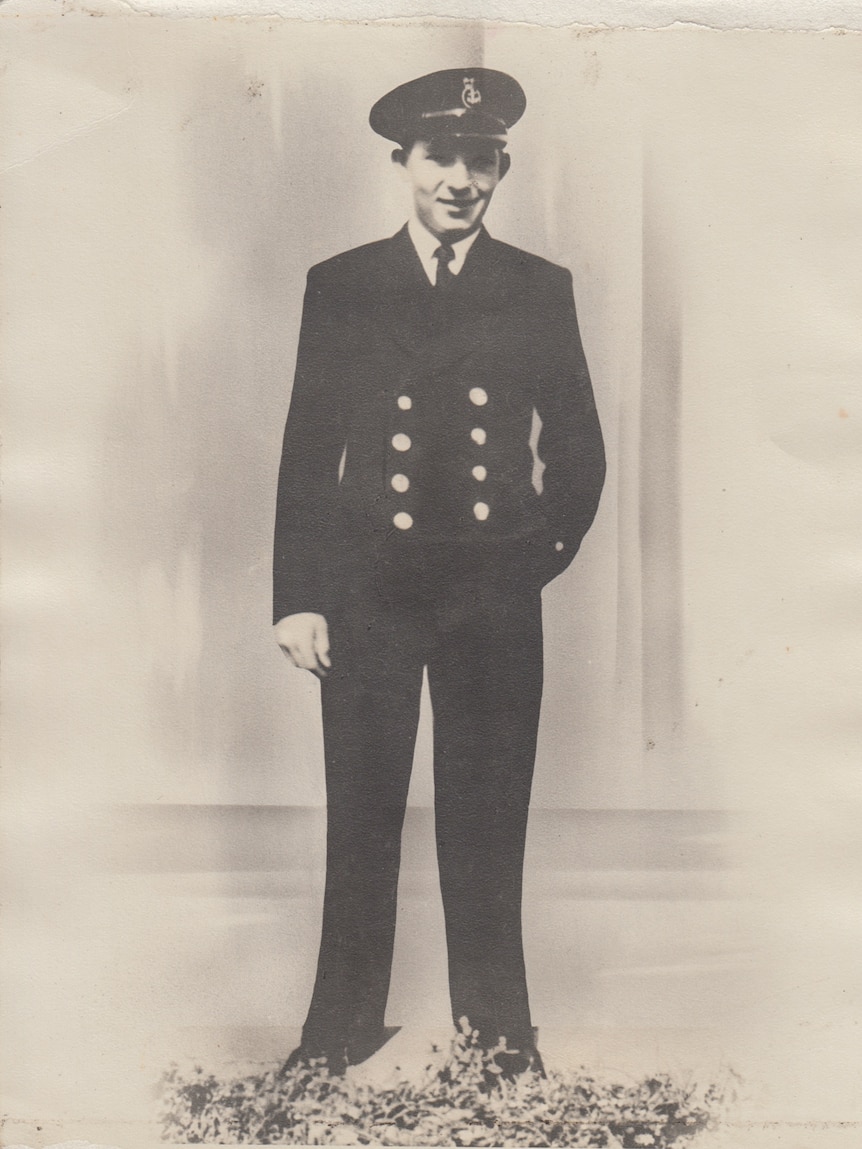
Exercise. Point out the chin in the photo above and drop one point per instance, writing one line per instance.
(459, 226)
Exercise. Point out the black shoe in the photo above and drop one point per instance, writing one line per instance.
(334, 1061)
(516, 1062)
(519, 1061)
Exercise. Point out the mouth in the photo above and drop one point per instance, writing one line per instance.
(459, 204)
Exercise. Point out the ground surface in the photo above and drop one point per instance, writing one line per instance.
(190, 935)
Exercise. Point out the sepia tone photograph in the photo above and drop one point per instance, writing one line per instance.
(431, 479)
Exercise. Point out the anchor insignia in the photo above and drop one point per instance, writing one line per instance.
(471, 94)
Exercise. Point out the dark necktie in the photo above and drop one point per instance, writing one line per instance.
(444, 256)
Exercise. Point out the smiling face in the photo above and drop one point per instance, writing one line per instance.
(452, 183)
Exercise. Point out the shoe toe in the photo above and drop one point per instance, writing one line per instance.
(519, 1062)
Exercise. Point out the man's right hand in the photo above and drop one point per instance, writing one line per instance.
(304, 638)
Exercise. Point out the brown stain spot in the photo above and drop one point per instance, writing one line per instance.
(842, 414)
(592, 69)
(255, 89)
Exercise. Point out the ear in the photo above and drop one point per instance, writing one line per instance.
(505, 163)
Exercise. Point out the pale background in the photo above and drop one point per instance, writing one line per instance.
(695, 845)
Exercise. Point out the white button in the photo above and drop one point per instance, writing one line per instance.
(558, 546)
(481, 511)
(480, 473)
(400, 483)
(403, 521)
(401, 442)
(405, 402)
(479, 435)
(479, 396)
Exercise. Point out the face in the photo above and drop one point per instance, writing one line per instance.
(452, 183)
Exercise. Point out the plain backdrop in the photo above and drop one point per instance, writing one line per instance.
(169, 195)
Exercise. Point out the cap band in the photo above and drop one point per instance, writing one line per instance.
(492, 128)
(462, 112)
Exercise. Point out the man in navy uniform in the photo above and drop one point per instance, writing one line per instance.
(411, 533)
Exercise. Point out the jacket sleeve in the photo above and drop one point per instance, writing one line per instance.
(306, 527)
(570, 443)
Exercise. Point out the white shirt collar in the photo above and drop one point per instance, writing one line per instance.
(426, 244)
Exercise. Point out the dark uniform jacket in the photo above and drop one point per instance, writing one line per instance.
(411, 416)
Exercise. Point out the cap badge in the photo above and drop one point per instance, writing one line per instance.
(471, 94)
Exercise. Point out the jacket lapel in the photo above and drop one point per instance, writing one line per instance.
(408, 314)
(404, 308)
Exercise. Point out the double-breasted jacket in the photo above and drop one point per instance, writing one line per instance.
(411, 417)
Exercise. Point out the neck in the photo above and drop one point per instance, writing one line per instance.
(452, 237)
(448, 237)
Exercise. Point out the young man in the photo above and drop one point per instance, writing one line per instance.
(410, 535)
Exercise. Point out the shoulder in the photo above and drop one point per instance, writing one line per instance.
(533, 269)
(538, 288)
(354, 265)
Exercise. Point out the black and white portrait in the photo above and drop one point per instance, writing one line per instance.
(430, 490)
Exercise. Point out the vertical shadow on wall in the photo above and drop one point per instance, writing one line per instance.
(661, 552)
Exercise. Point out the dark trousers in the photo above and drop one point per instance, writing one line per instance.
(482, 645)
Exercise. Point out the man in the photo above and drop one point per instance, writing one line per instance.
(410, 535)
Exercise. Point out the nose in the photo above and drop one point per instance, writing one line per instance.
(459, 178)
